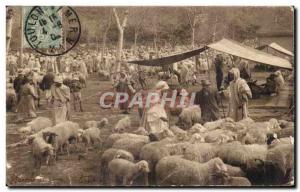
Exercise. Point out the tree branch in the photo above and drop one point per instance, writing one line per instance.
(117, 19)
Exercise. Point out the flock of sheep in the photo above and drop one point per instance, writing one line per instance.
(223, 152)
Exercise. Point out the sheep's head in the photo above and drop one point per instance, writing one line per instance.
(49, 137)
(103, 122)
(124, 155)
(25, 130)
(143, 166)
(30, 139)
(219, 165)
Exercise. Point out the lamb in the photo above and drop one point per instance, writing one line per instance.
(40, 149)
(279, 163)
(189, 116)
(99, 124)
(123, 125)
(90, 136)
(174, 170)
(128, 170)
(116, 136)
(132, 145)
(36, 125)
(109, 155)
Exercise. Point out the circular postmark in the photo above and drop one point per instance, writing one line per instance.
(52, 30)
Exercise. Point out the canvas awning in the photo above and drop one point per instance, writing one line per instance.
(227, 46)
(280, 49)
(169, 59)
(237, 49)
(276, 47)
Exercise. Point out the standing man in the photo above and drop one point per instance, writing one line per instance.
(219, 72)
(239, 93)
(26, 106)
(208, 100)
(124, 86)
(60, 98)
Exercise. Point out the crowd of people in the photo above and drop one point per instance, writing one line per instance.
(64, 76)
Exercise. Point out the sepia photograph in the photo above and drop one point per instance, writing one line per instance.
(150, 96)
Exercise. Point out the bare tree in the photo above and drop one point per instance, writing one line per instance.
(121, 27)
(9, 21)
(195, 16)
(138, 19)
(105, 28)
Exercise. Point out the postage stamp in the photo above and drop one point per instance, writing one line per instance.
(52, 30)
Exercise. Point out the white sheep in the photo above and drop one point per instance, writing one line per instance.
(141, 131)
(111, 154)
(245, 156)
(189, 116)
(286, 132)
(217, 124)
(90, 136)
(123, 125)
(98, 124)
(200, 152)
(40, 149)
(127, 170)
(236, 181)
(220, 136)
(116, 136)
(64, 131)
(197, 128)
(174, 170)
(285, 140)
(132, 145)
(197, 138)
(279, 163)
(180, 134)
(285, 124)
(36, 125)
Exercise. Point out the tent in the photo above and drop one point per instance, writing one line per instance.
(278, 48)
(237, 49)
(226, 46)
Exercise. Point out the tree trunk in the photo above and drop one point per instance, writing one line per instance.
(103, 45)
(135, 40)
(193, 37)
(120, 49)
(121, 27)
(9, 20)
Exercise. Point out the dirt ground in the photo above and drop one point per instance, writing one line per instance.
(74, 171)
